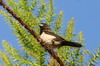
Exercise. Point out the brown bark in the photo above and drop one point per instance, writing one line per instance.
(46, 46)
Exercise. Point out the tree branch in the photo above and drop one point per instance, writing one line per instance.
(46, 46)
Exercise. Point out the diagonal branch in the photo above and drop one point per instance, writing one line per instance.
(46, 46)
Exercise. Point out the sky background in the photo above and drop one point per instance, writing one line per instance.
(87, 20)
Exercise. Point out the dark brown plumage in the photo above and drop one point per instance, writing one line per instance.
(55, 40)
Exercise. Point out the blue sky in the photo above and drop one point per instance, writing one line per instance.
(87, 20)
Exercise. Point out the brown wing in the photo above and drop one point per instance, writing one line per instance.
(59, 41)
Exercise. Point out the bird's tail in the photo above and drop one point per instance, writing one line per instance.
(69, 43)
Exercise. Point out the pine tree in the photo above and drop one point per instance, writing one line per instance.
(34, 12)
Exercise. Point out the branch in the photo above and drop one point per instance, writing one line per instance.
(46, 46)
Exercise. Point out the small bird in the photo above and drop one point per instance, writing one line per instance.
(53, 39)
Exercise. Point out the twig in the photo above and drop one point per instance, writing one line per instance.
(46, 46)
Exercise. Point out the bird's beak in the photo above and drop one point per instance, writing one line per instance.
(40, 24)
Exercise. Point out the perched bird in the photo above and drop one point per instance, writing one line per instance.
(53, 39)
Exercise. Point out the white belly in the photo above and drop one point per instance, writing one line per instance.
(47, 38)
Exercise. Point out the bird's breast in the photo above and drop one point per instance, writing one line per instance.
(47, 38)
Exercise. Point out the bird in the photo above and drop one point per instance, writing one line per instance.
(53, 39)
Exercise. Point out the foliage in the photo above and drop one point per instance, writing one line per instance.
(34, 12)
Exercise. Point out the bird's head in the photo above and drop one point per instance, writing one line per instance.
(44, 27)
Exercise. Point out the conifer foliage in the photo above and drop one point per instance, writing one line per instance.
(34, 12)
